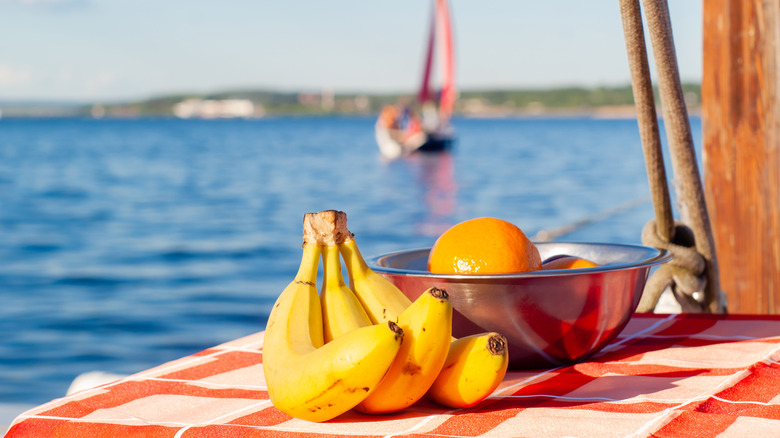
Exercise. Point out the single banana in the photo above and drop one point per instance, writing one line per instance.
(318, 384)
(427, 327)
(474, 368)
(341, 309)
(382, 299)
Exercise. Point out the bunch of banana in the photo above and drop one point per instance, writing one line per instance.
(367, 346)
(307, 378)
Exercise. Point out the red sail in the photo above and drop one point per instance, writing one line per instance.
(425, 89)
(448, 91)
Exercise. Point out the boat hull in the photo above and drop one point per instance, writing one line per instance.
(392, 149)
(436, 143)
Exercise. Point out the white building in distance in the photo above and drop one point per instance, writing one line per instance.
(216, 109)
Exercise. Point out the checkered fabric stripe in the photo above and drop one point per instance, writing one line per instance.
(665, 375)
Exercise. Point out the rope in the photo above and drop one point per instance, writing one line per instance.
(549, 234)
(683, 275)
(693, 277)
(646, 116)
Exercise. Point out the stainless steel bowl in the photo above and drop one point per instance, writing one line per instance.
(550, 317)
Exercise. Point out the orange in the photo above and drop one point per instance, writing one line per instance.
(568, 262)
(483, 246)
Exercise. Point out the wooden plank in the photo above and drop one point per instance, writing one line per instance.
(741, 134)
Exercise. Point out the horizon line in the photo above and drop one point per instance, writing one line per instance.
(283, 90)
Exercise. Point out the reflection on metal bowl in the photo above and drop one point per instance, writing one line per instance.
(551, 317)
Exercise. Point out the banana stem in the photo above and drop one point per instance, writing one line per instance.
(326, 227)
(496, 344)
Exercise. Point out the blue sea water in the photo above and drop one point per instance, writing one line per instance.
(128, 243)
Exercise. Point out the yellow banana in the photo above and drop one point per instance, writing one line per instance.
(427, 327)
(341, 309)
(318, 384)
(382, 299)
(474, 368)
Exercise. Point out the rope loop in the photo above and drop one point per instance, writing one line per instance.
(682, 246)
(685, 273)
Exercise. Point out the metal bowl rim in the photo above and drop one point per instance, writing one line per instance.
(661, 256)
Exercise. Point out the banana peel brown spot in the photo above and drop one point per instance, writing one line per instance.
(365, 388)
(439, 293)
(307, 283)
(397, 330)
(411, 368)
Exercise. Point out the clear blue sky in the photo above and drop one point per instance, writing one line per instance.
(128, 49)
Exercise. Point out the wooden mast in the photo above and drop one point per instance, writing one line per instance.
(741, 134)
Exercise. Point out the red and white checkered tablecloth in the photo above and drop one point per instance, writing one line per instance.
(665, 375)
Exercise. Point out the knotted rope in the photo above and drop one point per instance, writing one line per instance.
(693, 273)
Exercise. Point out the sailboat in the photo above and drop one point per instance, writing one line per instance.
(424, 127)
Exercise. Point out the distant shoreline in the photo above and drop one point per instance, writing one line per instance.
(599, 102)
(606, 112)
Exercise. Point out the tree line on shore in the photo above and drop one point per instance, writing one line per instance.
(470, 102)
